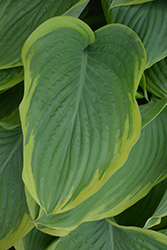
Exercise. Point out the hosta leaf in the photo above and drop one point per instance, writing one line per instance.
(9, 106)
(34, 240)
(159, 213)
(143, 83)
(77, 9)
(139, 95)
(12, 121)
(156, 79)
(17, 21)
(116, 3)
(143, 86)
(11, 77)
(14, 216)
(102, 235)
(145, 167)
(159, 225)
(150, 110)
(148, 20)
(33, 207)
(139, 213)
(35, 211)
(79, 114)
(164, 232)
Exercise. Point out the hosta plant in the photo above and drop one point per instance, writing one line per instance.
(83, 125)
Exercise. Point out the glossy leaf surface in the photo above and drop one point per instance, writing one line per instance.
(79, 114)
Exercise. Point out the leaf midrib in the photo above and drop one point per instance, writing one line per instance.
(81, 80)
(78, 98)
(111, 235)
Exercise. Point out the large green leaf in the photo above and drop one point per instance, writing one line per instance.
(34, 240)
(116, 3)
(14, 215)
(11, 77)
(107, 235)
(18, 19)
(156, 79)
(79, 114)
(145, 167)
(148, 20)
(9, 106)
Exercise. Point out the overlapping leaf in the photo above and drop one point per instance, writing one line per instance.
(10, 77)
(143, 86)
(34, 240)
(33, 207)
(159, 213)
(14, 215)
(145, 167)
(77, 9)
(116, 3)
(9, 106)
(79, 114)
(164, 232)
(17, 21)
(156, 79)
(148, 20)
(102, 235)
(150, 110)
(143, 210)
